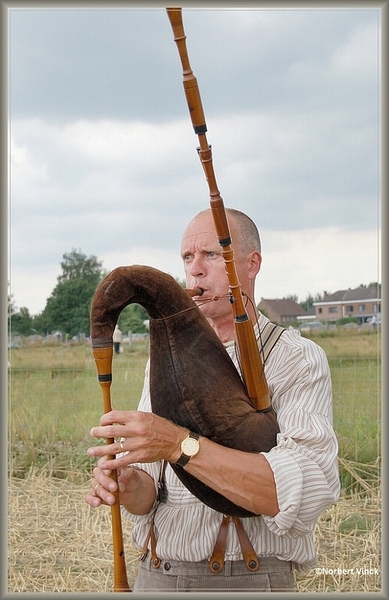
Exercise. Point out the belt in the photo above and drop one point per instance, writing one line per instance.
(268, 564)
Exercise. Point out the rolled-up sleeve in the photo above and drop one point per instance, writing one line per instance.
(304, 461)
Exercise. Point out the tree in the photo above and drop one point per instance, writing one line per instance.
(68, 307)
(11, 312)
(132, 318)
(292, 297)
(76, 265)
(19, 321)
(308, 302)
(11, 305)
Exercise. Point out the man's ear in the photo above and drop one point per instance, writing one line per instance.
(254, 260)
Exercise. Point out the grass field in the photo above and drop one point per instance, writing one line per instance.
(57, 543)
(55, 398)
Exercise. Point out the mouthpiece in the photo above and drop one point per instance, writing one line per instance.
(195, 292)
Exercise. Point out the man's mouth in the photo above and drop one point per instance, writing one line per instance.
(195, 292)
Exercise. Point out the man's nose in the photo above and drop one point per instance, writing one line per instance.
(197, 268)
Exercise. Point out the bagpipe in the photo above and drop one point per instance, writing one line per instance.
(193, 381)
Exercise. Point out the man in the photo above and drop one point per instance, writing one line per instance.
(117, 339)
(288, 487)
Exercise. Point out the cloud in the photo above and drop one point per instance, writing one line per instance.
(312, 261)
(302, 263)
(103, 154)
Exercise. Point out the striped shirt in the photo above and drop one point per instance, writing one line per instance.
(304, 463)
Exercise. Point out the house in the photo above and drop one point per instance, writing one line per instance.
(361, 303)
(284, 312)
(309, 315)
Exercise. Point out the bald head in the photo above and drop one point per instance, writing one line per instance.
(244, 232)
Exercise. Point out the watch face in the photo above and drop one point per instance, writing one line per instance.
(190, 446)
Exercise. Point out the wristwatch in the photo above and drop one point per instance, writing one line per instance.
(189, 447)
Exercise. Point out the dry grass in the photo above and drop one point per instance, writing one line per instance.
(348, 539)
(57, 543)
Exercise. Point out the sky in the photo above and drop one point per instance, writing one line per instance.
(102, 153)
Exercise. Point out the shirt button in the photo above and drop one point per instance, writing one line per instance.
(167, 566)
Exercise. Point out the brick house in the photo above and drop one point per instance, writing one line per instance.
(284, 312)
(361, 303)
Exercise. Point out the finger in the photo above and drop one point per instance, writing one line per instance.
(103, 476)
(102, 493)
(109, 463)
(92, 500)
(125, 477)
(92, 497)
(102, 450)
(96, 488)
(120, 417)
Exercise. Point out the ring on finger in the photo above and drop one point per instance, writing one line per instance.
(122, 445)
(96, 487)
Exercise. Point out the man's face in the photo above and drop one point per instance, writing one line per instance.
(204, 266)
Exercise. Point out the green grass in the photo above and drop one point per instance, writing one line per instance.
(357, 407)
(51, 410)
(55, 398)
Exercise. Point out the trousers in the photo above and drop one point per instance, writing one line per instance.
(273, 575)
